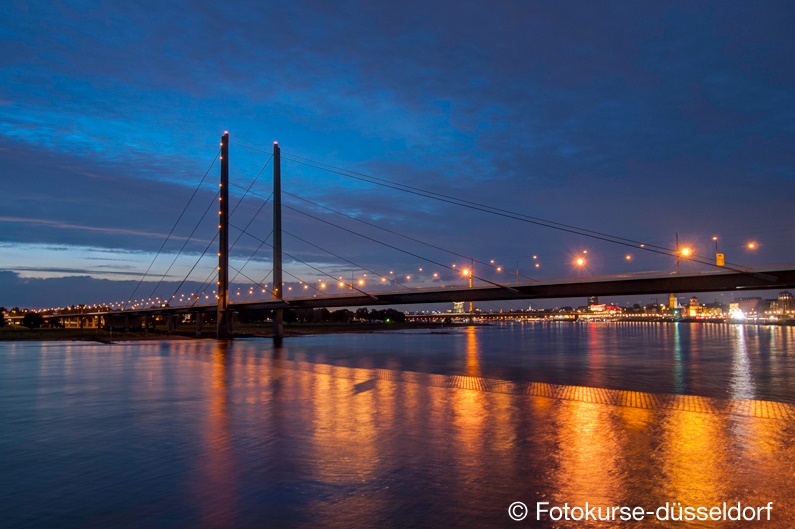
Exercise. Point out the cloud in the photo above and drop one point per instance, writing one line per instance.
(62, 198)
(65, 271)
(67, 226)
(642, 120)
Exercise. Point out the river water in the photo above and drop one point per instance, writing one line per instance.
(409, 429)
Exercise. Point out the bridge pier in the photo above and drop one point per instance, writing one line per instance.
(171, 324)
(199, 322)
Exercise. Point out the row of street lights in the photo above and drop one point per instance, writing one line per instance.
(580, 260)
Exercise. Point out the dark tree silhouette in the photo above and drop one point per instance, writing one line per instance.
(32, 320)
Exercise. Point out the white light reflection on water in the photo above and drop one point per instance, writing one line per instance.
(742, 382)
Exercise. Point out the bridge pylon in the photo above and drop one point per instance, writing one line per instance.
(278, 287)
(223, 321)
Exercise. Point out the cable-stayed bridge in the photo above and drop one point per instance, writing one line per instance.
(377, 287)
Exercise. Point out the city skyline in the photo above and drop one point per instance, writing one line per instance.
(639, 121)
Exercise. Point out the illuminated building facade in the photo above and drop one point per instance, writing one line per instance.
(786, 302)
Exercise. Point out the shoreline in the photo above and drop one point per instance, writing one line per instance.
(14, 334)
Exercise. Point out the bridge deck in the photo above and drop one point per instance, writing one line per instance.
(623, 285)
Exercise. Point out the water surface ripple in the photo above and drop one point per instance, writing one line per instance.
(396, 430)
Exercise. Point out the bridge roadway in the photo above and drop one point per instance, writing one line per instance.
(619, 285)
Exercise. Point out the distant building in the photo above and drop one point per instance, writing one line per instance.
(458, 307)
(747, 305)
(786, 302)
(714, 309)
(608, 308)
(653, 308)
(593, 300)
(766, 305)
(783, 305)
(673, 303)
(694, 307)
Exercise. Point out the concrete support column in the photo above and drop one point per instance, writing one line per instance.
(199, 321)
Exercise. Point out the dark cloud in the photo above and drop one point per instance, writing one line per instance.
(64, 198)
(642, 120)
(68, 271)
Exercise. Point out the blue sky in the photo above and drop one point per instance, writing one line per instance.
(635, 119)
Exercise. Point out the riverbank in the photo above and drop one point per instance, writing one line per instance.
(13, 334)
(265, 330)
(187, 332)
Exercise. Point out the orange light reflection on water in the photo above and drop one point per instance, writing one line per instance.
(216, 487)
(366, 430)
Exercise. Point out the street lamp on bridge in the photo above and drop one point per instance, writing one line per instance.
(720, 259)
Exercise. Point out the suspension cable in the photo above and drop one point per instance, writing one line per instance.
(394, 247)
(398, 234)
(507, 213)
(218, 153)
(307, 264)
(344, 259)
